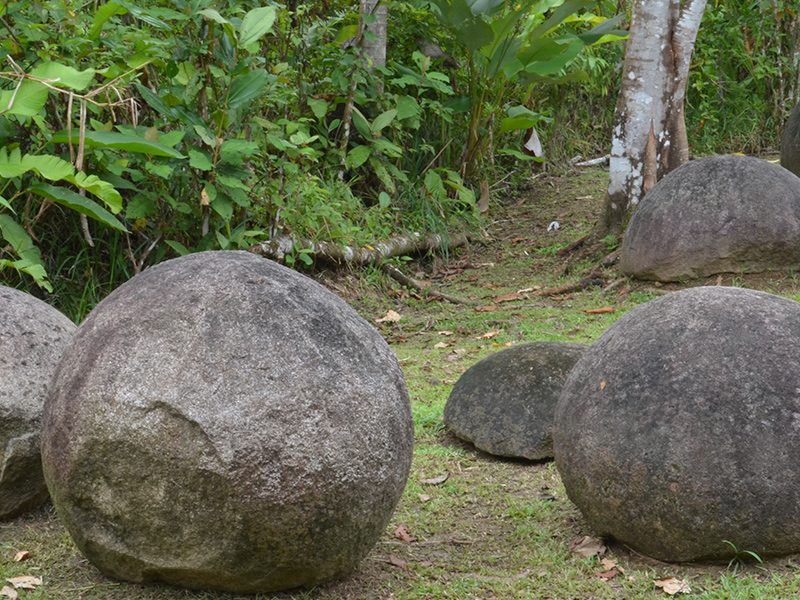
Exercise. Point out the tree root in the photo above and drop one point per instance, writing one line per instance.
(409, 282)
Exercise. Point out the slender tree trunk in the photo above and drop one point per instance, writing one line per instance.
(649, 137)
(374, 16)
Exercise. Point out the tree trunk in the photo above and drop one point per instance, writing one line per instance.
(374, 19)
(649, 137)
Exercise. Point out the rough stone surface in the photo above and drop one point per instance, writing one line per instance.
(715, 215)
(32, 337)
(679, 427)
(504, 404)
(790, 142)
(223, 422)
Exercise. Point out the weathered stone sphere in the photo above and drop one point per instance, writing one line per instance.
(790, 142)
(33, 335)
(678, 429)
(715, 215)
(504, 404)
(223, 422)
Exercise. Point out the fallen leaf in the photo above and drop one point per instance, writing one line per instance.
(8, 592)
(609, 564)
(205, 199)
(446, 333)
(436, 480)
(603, 310)
(423, 497)
(25, 582)
(508, 297)
(402, 534)
(489, 335)
(397, 562)
(673, 585)
(391, 317)
(22, 555)
(587, 546)
(519, 239)
(607, 575)
(487, 308)
(603, 384)
(441, 345)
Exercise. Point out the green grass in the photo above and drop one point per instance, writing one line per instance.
(496, 528)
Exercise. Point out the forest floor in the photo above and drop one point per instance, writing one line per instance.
(469, 525)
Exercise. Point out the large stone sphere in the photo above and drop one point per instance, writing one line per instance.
(790, 142)
(223, 422)
(680, 427)
(32, 337)
(504, 404)
(723, 214)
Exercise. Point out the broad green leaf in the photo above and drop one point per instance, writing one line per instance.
(30, 257)
(179, 248)
(26, 100)
(78, 203)
(407, 107)
(550, 56)
(384, 200)
(388, 148)
(140, 207)
(519, 117)
(102, 15)
(347, 32)
(233, 183)
(144, 14)
(434, 184)
(209, 139)
(607, 29)
(159, 169)
(357, 157)
(383, 174)
(517, 154)
(50, 167)
(475, 34)
(153, 100)
(102, 189)
(318, 107)
(484, 7)
(63, 76)
(235, 151)
(199, 160)
(361, 123)
(171, 138)
(256, 23)
(559, 15)
(223, 207)
(383, 120)
(212, 14)
(119, 141)
(246, 88)
(5, 203)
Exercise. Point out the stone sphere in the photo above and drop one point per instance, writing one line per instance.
(790, 142)
(678, 429)
(504, 404)
(723, 214)
(223, 422)
(32, 337)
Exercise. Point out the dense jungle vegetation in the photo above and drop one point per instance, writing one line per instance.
(134, 132)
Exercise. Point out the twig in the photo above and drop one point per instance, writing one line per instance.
(614, 284)
(594, 162)
(571, 287)
(574, 245)
(407, 281)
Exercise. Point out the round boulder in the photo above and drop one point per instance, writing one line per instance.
(223, 422)
(32, 337)
(678, 429)
(790, 142)
(715, 215)
(504, 404)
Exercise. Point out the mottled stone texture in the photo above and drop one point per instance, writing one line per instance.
(32, 337)
(504, 404)
(680, 427)
(715, 215)
(790, 142)
(223, 422)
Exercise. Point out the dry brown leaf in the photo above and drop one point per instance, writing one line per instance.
(508, 297)
(423, 497)
(487, 308)
(607, 575)
(519, 239)
(441, 345)
(603, 310)
(391, 317)
(446, 333)
(673, 585)
(436, 480)
(609, 564)
(603, 384)
(8, 592)
(402, 534)
(489, 334)
(397, 562)
(22, 555)
(25, 582)
(205, 199)
(587, 546)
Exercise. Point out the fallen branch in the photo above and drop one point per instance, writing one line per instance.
(338, 255)
(614, 284)
(568, 288)
(594, 162)
(407, 281)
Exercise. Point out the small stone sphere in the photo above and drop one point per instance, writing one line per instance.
(223, 422)
(679, 428)
(33, 335)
